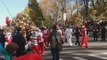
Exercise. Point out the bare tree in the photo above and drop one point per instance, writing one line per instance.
(86, 4)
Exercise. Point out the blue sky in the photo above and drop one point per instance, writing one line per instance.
(14, 6)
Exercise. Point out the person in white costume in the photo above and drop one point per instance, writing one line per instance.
(68, 35)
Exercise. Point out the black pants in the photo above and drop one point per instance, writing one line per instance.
(55, 53)
(77, 40)
(103, 36)
(95, 38)
(20, 51)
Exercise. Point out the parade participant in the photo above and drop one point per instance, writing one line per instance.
(68, 35)
(2, 38)
(46, 36)
(54, 40)
(63, 36)
(8, 36)
(6, 54)
(84, 37)
(20, 41)
(41, 42)
(77, 35)
(34, 41)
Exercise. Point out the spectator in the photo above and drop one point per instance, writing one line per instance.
(20, 41)
(54, 39)
(2, 38)
(95, 33)
(6, 54)
(103, 33)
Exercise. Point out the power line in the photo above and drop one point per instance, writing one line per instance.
(6, 7)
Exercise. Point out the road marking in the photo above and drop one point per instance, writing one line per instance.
(93, 55)
(104, 53)
(60, 59)
(79, 58)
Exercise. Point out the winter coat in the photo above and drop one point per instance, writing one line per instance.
(52, 39)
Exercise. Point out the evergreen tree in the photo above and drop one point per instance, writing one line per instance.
(35, 13)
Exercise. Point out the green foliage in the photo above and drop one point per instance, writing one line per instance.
(38, 23)
(101, 8)
(35, 13)
(96, 9)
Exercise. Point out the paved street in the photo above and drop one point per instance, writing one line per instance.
(96, 51)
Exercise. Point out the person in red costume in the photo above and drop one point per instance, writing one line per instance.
(46, 33)
(84, 37)
(29, 57)
(8, 37)
(41, 42)
(34, 42)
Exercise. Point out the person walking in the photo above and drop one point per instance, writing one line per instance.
(68, 35)
(41, 42)
(54, 39)
(77, 35)
(84, 37)
(103, 33)
(95, 33)
(46, 33)
(34, 41)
